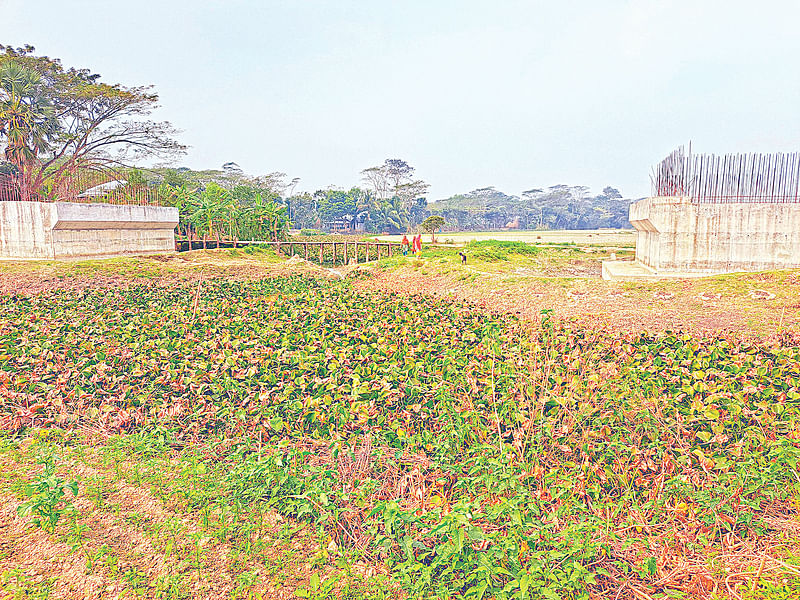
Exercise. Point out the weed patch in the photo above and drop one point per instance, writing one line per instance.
(471, 454)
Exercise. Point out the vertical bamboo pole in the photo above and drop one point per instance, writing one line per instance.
(320, 253)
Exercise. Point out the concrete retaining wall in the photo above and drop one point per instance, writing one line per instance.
(63, 230)
(675, 235)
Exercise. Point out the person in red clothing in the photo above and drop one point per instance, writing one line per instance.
(404, 246)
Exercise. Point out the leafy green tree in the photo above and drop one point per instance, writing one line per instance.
(334, 204)
(431, 224)
(207, 208)
(175, 178)
(392, 215)
(58, 122)
(184, 199)
(395, 178)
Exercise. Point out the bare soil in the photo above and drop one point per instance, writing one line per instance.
(757, 305)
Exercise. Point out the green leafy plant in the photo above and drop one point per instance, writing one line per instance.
(47, 497)
(318, 589)
(17, 586)
(498, 250)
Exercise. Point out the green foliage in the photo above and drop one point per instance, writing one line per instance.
(432, 223)
(317, 589)
(787, 589)
(375, 213)
(557, 207)
(17, 585)
(241, 214)
(28, 119)
(335, 204)
(174, 178)
(46, 495)
(135, 177)
(497, 250)
(59, 121)
(474, 456)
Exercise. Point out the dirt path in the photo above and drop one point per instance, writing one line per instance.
(27, 279)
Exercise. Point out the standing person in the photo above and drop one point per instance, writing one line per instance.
(404, 246)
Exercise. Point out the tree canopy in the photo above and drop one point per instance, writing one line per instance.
(431, 224)
(556, 207)
(56, 122)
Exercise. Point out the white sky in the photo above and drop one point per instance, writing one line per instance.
(515, 94)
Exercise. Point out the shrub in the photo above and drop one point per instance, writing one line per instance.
(496, 250)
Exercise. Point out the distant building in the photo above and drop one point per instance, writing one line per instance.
(104, 188)
(338, 226)
(346, 224)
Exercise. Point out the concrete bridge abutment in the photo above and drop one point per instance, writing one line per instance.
(675, 235)
(67, 230)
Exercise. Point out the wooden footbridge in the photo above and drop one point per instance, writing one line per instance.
(323, 252)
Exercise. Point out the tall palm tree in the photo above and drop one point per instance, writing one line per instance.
(27, 119)
(394, 213)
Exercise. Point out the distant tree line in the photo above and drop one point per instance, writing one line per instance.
(555, 207)
(390, 200)
(227, 203)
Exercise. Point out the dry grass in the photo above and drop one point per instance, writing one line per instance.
(134, 545)
(720, 304)
(29, 278)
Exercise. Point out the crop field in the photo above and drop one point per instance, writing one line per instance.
(261, 431)
(601, 237)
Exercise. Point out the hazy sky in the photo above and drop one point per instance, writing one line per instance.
(515, 94)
